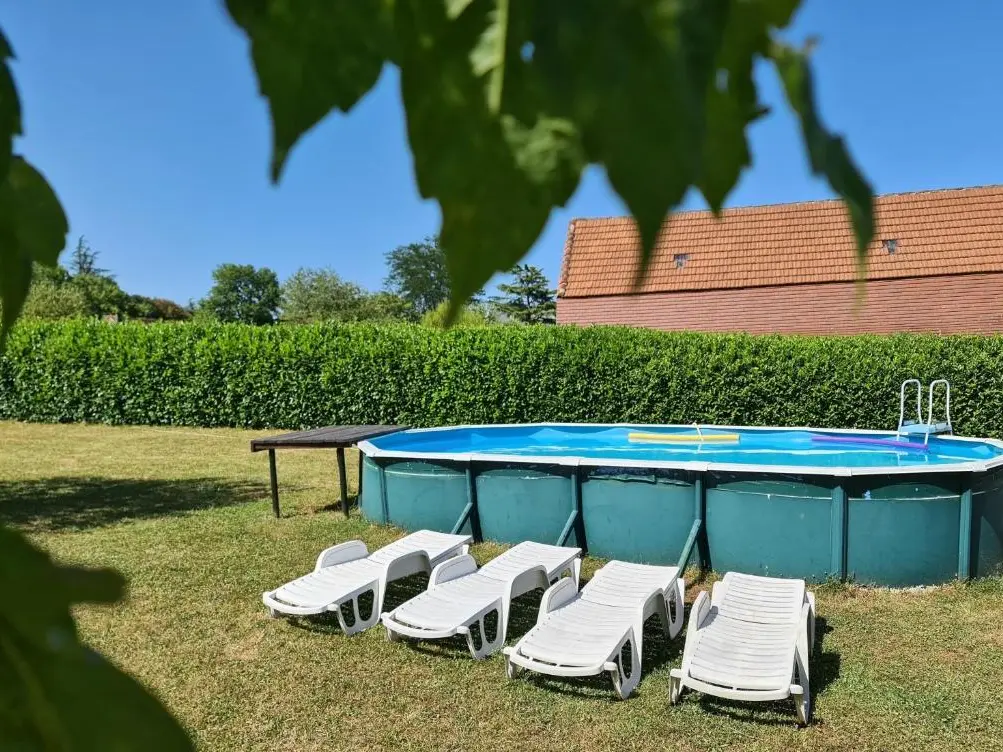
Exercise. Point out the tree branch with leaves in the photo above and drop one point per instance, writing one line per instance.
(507, 102)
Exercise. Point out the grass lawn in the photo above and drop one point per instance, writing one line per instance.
(185, 514)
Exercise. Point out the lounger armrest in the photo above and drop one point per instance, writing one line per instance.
(698, 614)
(348, 551)
(451, 569)
(531, 579)
(700, 610)
(810, 598)
(407, 564)
(557, 596)
(717, 592)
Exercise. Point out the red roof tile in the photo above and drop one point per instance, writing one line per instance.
(935, 232)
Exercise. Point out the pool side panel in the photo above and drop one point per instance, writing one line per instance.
(521, 503)
(637, 515)
(903, 532)
(371, 501)
(425, 495)
(770, 526)
(894, 529)
(987, 525)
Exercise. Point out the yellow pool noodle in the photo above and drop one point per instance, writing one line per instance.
(680, 437)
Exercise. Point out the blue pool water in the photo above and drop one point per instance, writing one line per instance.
(777, 447)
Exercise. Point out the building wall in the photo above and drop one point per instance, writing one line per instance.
(963, 304)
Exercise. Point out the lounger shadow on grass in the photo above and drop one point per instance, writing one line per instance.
(80, 503)
(825, 668)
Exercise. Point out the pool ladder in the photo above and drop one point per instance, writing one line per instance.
(927, 428)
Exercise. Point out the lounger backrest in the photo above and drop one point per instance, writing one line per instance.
(524, 556)
(620, 583)
(433, 543)
(762, 600)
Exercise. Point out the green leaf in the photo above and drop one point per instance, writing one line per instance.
(488, 55)
(33, 228)
(10, 107)
(58, 694)
(777, 13)
(495, 178)
(634, 76)
(827, 154)
(507, 100)
(456, 7)
(311, 57)
(732, 100)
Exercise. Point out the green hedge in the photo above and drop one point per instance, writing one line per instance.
(298, 376)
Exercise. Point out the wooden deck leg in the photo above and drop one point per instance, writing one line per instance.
(359, 482)
(343, 480)
(273, 474)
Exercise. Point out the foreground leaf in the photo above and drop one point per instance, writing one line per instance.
(10, 107)
(732, 101)
(633, 75)
(496, 178)
(508, 100)
(827, 153)
(33, 228)
(57, 694)
(313, 56)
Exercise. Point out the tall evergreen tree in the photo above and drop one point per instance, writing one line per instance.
(528, 298)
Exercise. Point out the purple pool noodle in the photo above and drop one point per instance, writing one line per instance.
(872, 442)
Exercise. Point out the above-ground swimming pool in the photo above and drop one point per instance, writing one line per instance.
(819, 504)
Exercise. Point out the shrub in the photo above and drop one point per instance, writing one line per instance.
(299, 376)
(469, 315)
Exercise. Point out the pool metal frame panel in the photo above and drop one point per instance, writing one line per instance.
(574, 461)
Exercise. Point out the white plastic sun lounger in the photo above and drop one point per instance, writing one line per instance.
(750, 641)
(460, 595)
(586, 633)
(347, 571)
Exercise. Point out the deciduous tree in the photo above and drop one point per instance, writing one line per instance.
(417, 273)
(242, 293)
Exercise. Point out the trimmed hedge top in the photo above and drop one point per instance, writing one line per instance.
(305, 376)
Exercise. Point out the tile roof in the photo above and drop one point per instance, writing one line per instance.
(957, 231)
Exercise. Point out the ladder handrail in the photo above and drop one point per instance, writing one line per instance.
(947, 401)
(926, 427)
(919, 401)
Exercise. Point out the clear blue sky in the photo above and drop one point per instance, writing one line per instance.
(145, 117)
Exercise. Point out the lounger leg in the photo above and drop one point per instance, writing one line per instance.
(487, 647)
(360, 624)
(662, 609)
(802, 691)
(802, 703)
(811, 623)
(676, 606)
(675, 685)
(511, 670)
(625, 684)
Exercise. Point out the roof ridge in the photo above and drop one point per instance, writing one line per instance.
(794, 204)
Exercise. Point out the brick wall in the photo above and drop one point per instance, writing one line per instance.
(962, 304)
